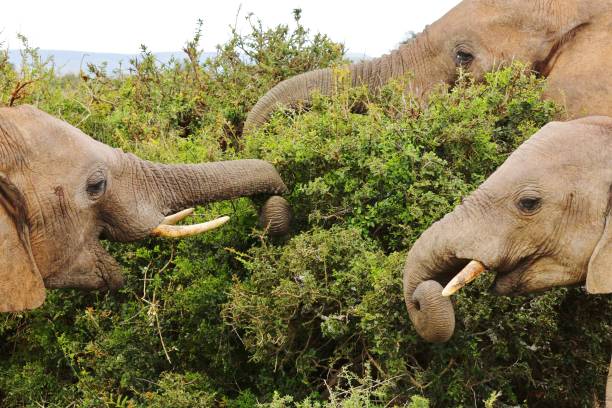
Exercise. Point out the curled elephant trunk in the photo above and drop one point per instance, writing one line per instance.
(373, 73)
(430, 264)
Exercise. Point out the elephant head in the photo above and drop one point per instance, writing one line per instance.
(542, 219)
(566, 40)
(60, 191)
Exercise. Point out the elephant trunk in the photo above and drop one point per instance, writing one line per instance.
(185, 185)
(431, 263)
(148, 194)
(373, 73)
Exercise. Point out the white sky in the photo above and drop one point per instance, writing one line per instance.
(120, 26)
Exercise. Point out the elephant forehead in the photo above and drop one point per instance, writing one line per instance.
(565, 145)
(49, 160)
(50, 146)
(561, 157)
(62, 140)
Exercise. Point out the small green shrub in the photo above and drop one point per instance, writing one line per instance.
(393, 172)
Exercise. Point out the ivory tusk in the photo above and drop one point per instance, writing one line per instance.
(180, 231)
(467, 274)
(179, 216)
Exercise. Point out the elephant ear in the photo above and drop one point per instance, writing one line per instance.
(21, 286)
(599, 273)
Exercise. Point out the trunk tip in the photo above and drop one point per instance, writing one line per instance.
(432, 314)
(275, 216)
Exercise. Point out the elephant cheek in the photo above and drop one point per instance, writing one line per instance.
(539, 275)
(107, 269)
(93, 269)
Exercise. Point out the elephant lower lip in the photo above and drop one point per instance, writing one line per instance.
(502, 289)
(111, 281)
(508, 282)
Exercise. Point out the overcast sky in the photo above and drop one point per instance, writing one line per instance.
(372, 27)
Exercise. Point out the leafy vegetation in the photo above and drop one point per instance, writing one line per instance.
(235, 319)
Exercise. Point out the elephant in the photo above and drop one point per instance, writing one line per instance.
(542, 219)
(567, 41)
(61, 190)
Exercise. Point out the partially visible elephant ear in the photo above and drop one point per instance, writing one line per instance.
(599, 273)
(21, 286)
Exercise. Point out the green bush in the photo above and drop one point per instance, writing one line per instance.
(235, 319)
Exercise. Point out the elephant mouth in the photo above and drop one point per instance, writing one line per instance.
(93, 268)
(509, 281)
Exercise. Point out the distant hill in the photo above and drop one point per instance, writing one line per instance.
(356, 57)
(71, 62)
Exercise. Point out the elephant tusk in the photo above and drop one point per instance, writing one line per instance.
(467, 274)
(180, 231)
(179, 216)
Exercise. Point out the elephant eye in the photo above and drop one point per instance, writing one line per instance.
(96, 186)
(463, 58)
(529, 205)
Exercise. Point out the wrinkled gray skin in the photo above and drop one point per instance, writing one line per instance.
(568, 41)
(543, 219)
(60, 191)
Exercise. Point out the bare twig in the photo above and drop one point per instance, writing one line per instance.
(18, 91)
(161, 338)
(153, 306)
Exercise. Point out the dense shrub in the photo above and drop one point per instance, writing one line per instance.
(235, 319)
